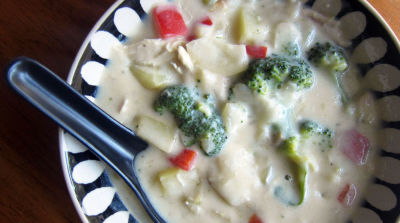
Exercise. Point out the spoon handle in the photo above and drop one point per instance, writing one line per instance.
(107, 138)
(46, 91)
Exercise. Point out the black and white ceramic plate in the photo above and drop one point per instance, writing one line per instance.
(100, 196)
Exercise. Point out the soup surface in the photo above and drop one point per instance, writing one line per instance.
(252, 109)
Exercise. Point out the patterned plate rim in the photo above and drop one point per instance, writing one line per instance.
(70, 76)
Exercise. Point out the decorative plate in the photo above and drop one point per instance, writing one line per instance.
(100, 196)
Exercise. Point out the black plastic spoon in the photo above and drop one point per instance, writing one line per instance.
(107, 138)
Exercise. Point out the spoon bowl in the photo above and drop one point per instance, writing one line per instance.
(107, 138)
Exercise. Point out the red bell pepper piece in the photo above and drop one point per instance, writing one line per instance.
(347, 195)
(355, 147)
(256, 52)
(255, 219)
(191, 38)
(206, 21)
(168, 21)
(185, 160)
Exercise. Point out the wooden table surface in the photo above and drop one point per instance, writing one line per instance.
(32, 186)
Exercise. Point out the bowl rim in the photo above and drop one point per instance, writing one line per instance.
(85, 44)
(385, 24)
(62, 146)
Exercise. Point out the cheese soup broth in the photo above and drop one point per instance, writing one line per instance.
(250, 175)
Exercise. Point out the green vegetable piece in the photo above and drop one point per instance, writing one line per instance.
(328, 56)
(308, 128)
(301, 74)
(290, 148)
(209, 2)
(203, 107)
(203, 125)
(332, 59)
(272, 72)
(291, 49)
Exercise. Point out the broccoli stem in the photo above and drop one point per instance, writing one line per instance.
(343, 95)
(332, 59)
(290, 148)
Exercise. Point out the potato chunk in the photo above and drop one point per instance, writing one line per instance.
(235, 176)
(157, 133)
(234, 115)
(153, 77)
(169, 181)
(218, 56)
(175, 181)
(214, 84)
(151, 62)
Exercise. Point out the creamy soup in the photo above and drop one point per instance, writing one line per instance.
(252, 110)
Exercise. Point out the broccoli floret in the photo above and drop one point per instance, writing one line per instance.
(177, 99)
(308, 128)
(332, 59)
(272, 72)
(301, 74)
(291, 49)
(196, 117)
(328, 56)
(258, 83)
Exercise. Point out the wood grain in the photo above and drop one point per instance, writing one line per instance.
(31, 181)
(390, 10)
